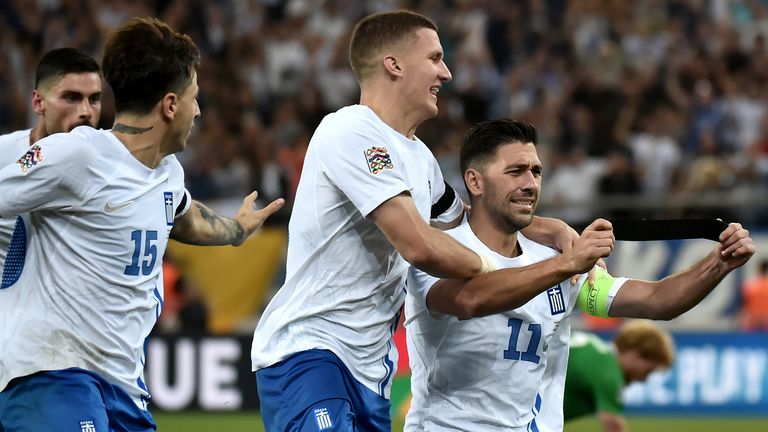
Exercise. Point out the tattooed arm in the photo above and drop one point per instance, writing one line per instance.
(202, 226)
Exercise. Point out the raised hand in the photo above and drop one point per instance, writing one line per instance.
(735, 247)
(596, 242)
(250, 219)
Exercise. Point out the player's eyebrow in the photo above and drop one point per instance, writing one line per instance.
(523, 165)
(71, 93)
(436, 54)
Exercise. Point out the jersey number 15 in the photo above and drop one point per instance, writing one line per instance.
(148, 258)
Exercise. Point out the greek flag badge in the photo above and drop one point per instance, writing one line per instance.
(169, 211)
(323, 419)
(556, 301)
(87, 426)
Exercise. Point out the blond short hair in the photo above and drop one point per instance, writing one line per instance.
(378, 32)
(649, 339)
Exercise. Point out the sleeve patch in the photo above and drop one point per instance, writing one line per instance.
(378, 159)
(31, 158)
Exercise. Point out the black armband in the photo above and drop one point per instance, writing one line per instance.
(182, 205)
(445, 201)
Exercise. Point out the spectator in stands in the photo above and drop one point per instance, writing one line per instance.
(537, 61)
(755, 300)
(620, 180)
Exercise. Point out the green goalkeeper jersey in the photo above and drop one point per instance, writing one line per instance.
(594, 380)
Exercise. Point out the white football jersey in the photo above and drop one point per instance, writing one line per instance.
(12, 146)
(344, 284)
(500, 372)
(86, 288)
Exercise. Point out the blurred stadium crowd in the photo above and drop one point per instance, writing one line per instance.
(648, 108)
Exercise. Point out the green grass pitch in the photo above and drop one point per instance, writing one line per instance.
(203, 422)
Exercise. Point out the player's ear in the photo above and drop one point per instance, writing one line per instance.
(38, 102)
(169, 105)
(474, 181)
(392, 66)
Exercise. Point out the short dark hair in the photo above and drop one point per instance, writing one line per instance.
(146, 59)
(486, 137)
(379, 31)
(61, 61)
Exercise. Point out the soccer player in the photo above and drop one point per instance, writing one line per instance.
(81, 294)
(323, 351)
(487, 354)
(639, 348)
(67, 94)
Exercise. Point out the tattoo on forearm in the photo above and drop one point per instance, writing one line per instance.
(119, 127)
(225, 230)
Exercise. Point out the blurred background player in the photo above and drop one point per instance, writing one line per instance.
(501, 365)
(67, 94)
(80, 297)
(598, 370)
(754, 294)
(323, 351)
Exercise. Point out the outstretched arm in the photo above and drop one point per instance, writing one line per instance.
(512, 287)
(676, 294)
(202, 226)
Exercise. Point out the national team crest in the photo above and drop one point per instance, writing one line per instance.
(169, 211)
(323, 419)
(32, 157)
(556, 301)
(87, 426)
(378, 159)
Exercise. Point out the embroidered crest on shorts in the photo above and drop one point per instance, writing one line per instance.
(378, 159)
(32, 157)
(323, 419)
(87, 426)
(556, 301)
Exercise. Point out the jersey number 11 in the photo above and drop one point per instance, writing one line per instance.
(529, 355)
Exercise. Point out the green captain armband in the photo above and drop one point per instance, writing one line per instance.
(594, 299)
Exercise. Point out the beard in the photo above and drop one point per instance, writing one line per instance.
(510, 223)
(508, 219)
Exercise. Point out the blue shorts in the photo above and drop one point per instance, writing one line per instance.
(67, 400)
(313, 391)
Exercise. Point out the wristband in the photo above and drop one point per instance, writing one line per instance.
(486, 265)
